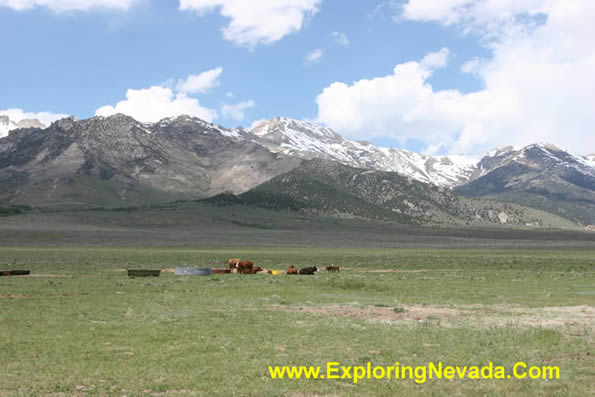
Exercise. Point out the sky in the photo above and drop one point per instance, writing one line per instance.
(434, 76)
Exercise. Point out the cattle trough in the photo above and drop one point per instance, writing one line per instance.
(15, 272)
(143, 273)
(189, 271)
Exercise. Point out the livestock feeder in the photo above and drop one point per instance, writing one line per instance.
(189, 271)
(15, 272)
(143, 273)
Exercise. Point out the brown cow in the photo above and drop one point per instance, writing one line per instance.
(254, 270)
(292, 270)
(336, 269)
(233, 263)
(245, 266)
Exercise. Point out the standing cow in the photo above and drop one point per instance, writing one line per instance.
(233, 264)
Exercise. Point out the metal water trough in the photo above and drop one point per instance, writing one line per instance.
(143, 273)
(189, 271)
(15, 272)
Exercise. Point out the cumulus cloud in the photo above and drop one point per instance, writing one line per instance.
(169, 99)
(342, 39)
(400, 105)
(237, 112)
(314, 56)
(471, 66)
(200, 83)
(538, 83)
(68, 5)
(16, 115)
(256, 21)
(153, 104)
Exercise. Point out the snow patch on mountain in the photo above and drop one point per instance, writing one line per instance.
(308, 140)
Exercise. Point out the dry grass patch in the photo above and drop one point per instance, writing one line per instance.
(478, 316)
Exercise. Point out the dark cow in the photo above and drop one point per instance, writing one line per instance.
(333, 269)
(309, 270)
(220, 271)
(292, 270)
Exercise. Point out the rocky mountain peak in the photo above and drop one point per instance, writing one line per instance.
(65, 123)
(30, 123)
(290, 131)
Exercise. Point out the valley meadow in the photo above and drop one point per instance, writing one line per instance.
(79, 326)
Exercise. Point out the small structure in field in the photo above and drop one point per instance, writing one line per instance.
(15, 272)
(143, 273)
(189, 271)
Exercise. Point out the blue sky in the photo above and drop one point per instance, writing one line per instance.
(76, 61)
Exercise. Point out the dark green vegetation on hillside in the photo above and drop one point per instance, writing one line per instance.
(328, 188)
(199, 224)
(10, 210)
(542, 177)
(80, 326)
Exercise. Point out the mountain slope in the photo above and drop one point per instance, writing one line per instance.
(541, 176)
(307, 140)
(329, 188)
(119, 161)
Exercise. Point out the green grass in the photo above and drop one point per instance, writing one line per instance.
(82, 327)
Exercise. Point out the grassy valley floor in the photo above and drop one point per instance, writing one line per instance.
(79, 326)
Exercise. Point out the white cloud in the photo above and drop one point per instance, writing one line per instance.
(256, 21)
(200, 83)
(68, 5)
(472, 66)
(17, 115)
(153, 104)
(314, 56)
(400, 105)
(237, 112)
(485, 14)
(435, 60)
(169, 99)
(538, 83)
(342, 39)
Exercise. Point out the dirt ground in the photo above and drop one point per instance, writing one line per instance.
(572, 318)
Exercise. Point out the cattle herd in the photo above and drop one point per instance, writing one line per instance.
(236, 265)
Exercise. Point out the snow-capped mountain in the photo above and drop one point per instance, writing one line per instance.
(541, 176)
(7, 125)
(308, 140)
(117, 160)
(543, 156)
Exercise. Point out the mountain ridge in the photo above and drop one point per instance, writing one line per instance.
(117, 160)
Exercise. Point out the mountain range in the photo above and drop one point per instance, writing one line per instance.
(285, 163)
